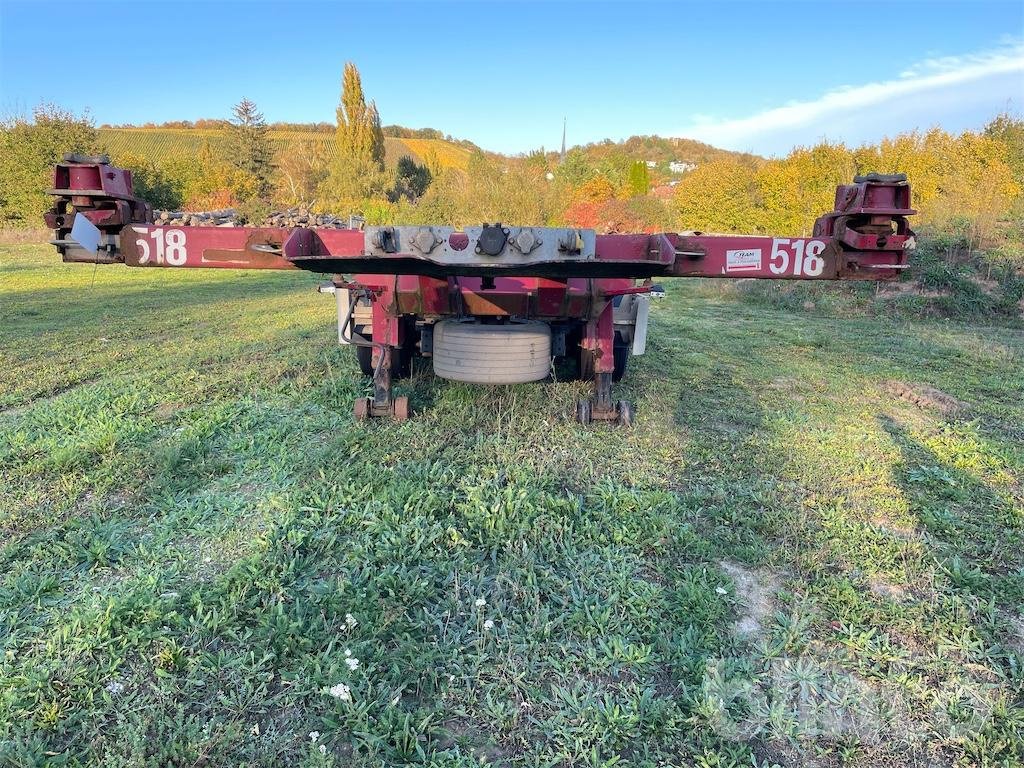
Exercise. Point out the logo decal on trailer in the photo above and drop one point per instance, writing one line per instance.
(748, 260)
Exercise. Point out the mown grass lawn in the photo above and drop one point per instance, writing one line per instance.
(784, 562)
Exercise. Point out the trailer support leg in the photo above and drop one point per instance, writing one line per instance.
(600, 340)
(388, 338)
(383, 403)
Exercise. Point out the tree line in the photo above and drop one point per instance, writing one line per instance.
(971, 183)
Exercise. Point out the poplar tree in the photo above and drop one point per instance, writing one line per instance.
(639, 180)
(357, 170)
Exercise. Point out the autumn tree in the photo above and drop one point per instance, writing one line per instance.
(508, 190)
(595, 190)
(792, 192)
(1009, 131)
(301, 168)
(719, 196)
(359, 133)
(150, 181)
(432, 162)
(209, 182)
(28, 151)
(963, 179)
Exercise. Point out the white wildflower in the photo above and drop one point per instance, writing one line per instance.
(350, 621)
(114, 687)
(340, 691)
(721, 591)
(323, 749)
(488, 625)
(314, 736)
(256, 729)
(480, 602)
(352, 662)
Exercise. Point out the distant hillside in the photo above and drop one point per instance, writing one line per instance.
(167, 141)
(662, 151)
(159, 144)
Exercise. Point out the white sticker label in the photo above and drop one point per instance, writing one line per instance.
(747, 260)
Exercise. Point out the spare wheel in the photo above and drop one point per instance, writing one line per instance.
(511, 353)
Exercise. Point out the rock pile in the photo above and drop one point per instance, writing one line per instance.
(303, 217)
(229, 217)
(223, 218)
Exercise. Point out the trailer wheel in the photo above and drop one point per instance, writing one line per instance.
(621, 353)
(365, 357)
(511, 353)
(401, 363)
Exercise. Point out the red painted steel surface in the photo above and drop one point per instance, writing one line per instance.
(801, 258)
(148, 245)
(865, 237)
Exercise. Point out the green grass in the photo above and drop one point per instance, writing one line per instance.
(781, 563)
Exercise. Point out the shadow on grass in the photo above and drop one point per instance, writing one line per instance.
(973, 532)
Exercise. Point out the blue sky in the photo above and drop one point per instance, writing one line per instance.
(755, 76)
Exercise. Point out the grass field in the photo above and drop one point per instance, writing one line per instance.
(205, 562)
(159, 144)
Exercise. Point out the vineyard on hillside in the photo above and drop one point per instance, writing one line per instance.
(159, 144)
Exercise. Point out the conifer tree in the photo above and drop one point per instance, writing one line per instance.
(249, 145)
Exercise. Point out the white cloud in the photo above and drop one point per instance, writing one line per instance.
(935, 88)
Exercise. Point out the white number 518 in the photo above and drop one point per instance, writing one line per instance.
(168, 246)
(798, 262)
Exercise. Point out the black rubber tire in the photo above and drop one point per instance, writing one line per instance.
(364, 355)
(586, 361)
(401, 364)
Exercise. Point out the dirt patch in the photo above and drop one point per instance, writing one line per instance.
(925, 396)
(164, 411)
(1016, 633)
(910, 288)
(882, 588)
(24, 236)
(755, 591)
(475, 740)
(990, 287)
